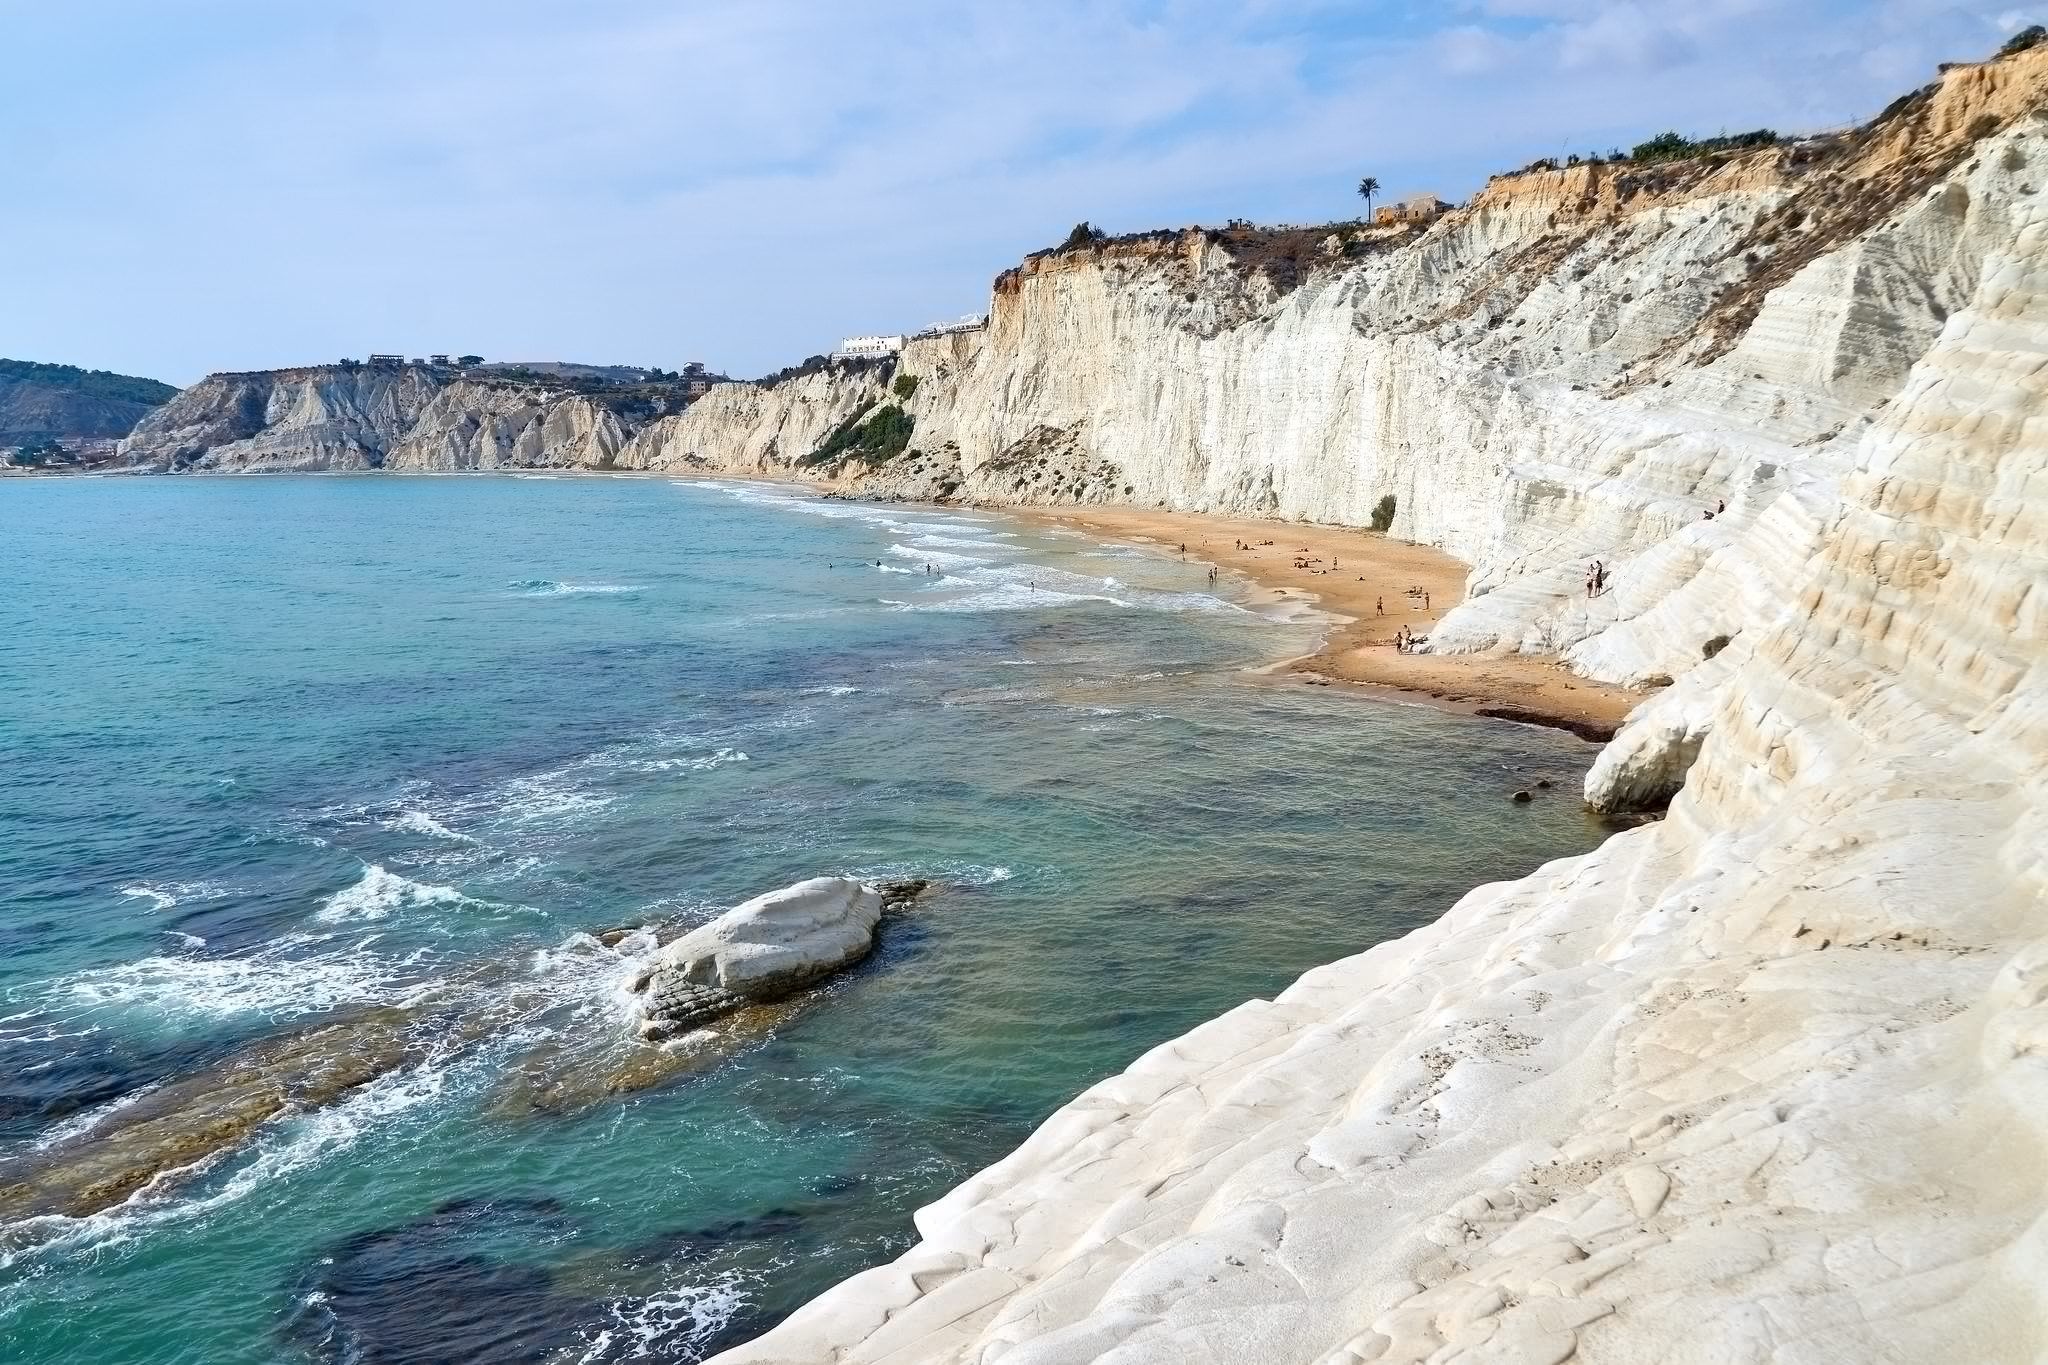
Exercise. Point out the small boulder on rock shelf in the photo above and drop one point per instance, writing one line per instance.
(762, 950)
(1521, 797)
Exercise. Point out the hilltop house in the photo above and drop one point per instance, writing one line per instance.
(697, 381)
(1417, 208)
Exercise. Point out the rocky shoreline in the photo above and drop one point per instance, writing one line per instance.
(742, 971)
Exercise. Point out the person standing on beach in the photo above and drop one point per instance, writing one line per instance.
(1379, 606)
(1425, 601)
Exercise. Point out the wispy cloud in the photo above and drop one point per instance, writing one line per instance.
(240, 183)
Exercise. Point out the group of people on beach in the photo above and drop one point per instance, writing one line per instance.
(1406, 641)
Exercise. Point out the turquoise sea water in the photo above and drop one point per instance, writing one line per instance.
(279, 751)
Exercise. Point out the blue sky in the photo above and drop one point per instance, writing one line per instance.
(197, 185)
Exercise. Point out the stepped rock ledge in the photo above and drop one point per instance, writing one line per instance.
(1764, 1080)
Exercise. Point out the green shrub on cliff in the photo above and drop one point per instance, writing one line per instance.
(875, 439)
(887, 434)
(1677, 147)
(1085, 234)
(905, 386)
(1383, 513)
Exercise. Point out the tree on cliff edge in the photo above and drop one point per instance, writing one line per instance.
(1367, 188)
(1085, 234)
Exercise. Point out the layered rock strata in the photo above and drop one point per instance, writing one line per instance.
(1767, 1080)
(1579, 365)
(334, 418)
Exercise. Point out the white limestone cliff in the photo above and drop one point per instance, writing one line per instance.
(472, 426)
(1766, 1080)
(1579, 365)
(333, 418)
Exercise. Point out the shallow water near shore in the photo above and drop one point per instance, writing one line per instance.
(285, 749)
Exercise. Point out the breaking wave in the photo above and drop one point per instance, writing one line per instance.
(286, 979)
(379, 892)
(548, 587)
(164, 895)
(683, 1317)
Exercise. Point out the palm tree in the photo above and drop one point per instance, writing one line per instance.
(1367, 188)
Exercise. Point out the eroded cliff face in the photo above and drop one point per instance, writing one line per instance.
(1766, 1080)
(476, 426)
(338, 418)
(1580, 364)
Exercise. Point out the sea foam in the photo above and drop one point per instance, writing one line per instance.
(378, 892)
(293, 976)
(548, 587)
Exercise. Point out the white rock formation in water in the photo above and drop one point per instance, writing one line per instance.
(759, 951)
(1767, 1080)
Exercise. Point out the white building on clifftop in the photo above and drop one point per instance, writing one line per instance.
(869, 346)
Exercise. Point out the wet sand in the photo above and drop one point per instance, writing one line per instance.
(1366, 577)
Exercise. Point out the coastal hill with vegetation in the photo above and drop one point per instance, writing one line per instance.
(44, 406)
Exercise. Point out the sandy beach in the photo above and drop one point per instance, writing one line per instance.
(1381, 585)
